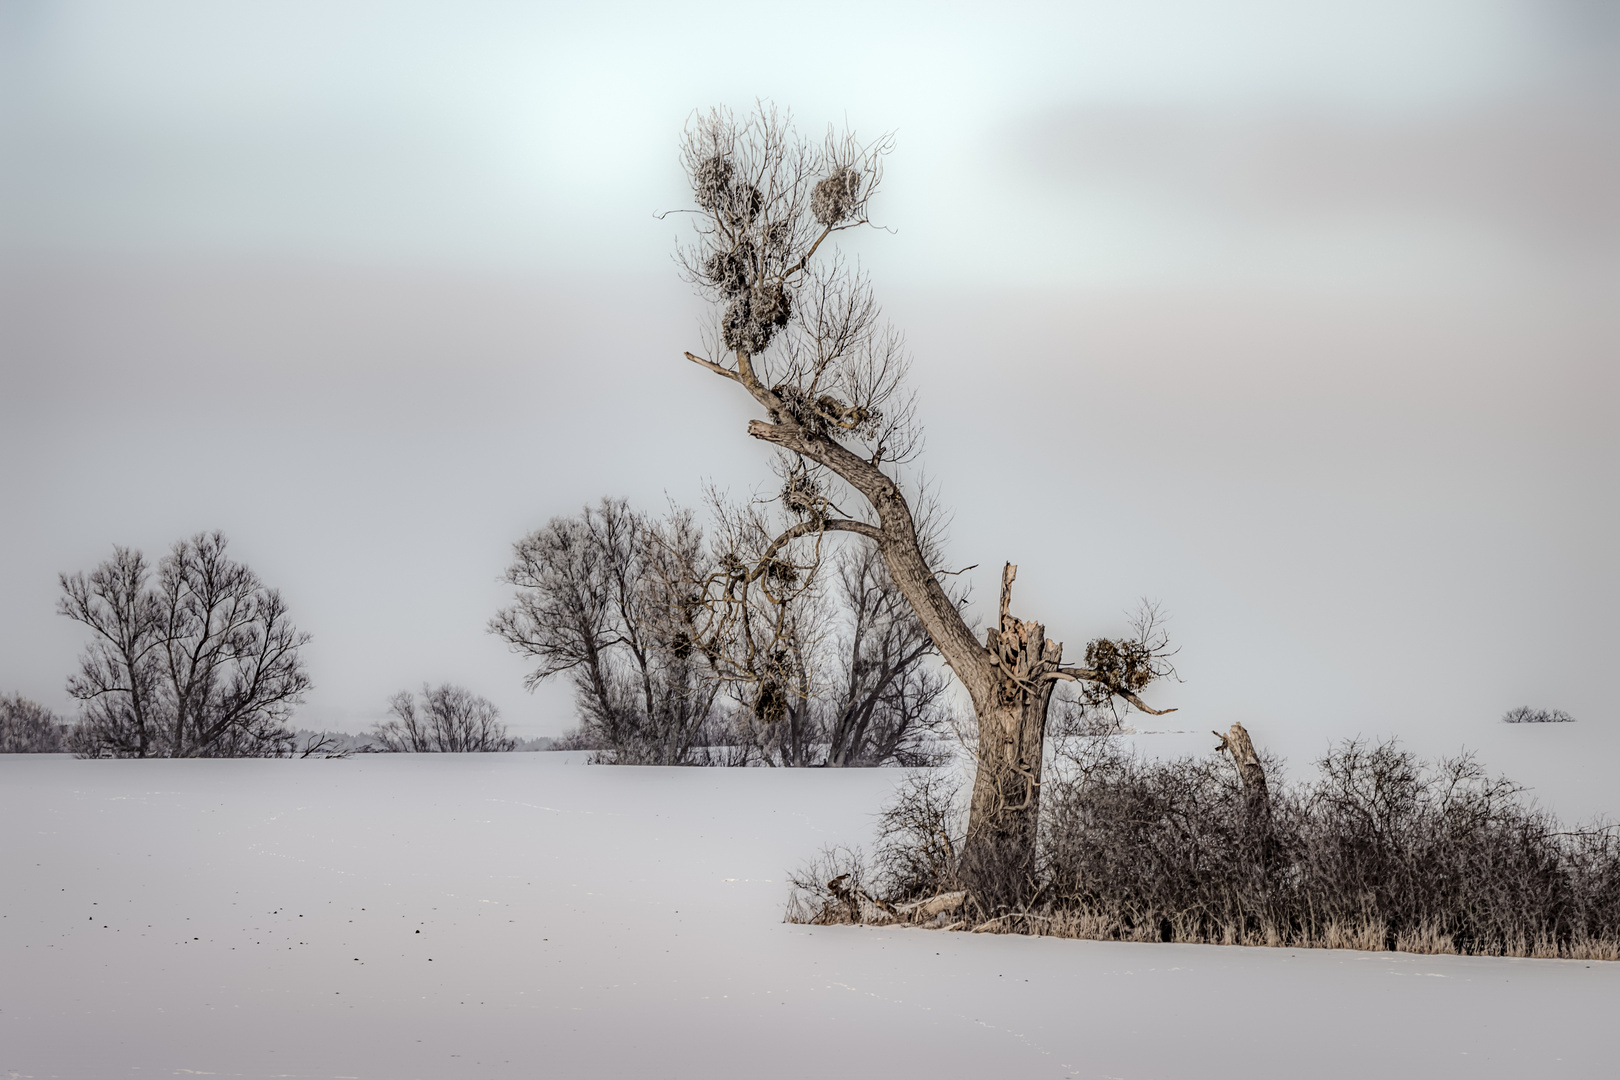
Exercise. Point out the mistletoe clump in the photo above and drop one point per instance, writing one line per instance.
(833, 199)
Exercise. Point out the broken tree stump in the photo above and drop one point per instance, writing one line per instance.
(1256, 796)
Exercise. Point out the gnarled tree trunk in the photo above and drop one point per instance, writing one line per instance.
(998, 855)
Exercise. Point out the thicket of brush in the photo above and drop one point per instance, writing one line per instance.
(27, 727)
(1377, 850)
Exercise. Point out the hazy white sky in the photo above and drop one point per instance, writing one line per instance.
(524, 136)
(1308, 305)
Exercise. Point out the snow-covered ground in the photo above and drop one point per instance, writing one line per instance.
(528, 915)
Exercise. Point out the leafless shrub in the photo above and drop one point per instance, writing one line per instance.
(450, 720)
(911, 876)
(27, 727)
(826, 891)
(920, 838)
(1524, 714)
(1378, 851)
(1138, 842)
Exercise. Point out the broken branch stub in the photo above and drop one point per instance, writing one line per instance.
(1236, 742)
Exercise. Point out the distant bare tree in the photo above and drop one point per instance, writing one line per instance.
(1524, 714)
(451, 720)
(27, 727)
(198, 660)
(798, 331)
(600, 598)
(894, 696)
(843, 672)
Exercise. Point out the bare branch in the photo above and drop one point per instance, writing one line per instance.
(714, 367)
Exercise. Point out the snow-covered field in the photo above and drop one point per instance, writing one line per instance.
(528, 915)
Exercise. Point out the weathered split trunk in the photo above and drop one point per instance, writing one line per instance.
(998, 855)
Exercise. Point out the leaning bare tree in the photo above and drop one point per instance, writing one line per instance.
(198, 659)
(798, 330)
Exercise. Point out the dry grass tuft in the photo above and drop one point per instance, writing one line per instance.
(1427, 938)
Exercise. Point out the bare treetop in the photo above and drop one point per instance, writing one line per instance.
(767, 202)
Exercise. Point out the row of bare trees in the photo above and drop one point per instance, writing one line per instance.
(196, 657)
(679, 654)
(693, 647)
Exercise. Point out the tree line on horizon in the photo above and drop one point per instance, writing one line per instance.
(193, 655)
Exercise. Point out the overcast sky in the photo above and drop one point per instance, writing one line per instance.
(1298, 318)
